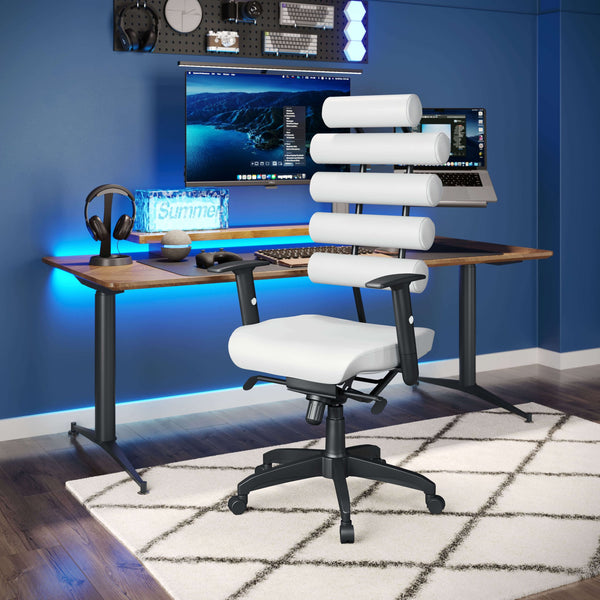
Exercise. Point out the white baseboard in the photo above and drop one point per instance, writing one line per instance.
(142, 410)
(569, 360)
(130, 412)
(484, 362)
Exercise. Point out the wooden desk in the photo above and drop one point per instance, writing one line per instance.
(110, 281)
(446, 252)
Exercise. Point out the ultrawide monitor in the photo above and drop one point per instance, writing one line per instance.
(254, 128)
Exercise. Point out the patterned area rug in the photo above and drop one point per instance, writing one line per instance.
(522, 515)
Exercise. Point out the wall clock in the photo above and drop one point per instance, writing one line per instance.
(183, 15)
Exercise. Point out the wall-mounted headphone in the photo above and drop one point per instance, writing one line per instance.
(130, 39)
(96, 226)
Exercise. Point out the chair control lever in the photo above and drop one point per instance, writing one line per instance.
(379, 403)
(252, 381)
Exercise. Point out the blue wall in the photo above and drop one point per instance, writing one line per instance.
(569, 201)
(75, 114)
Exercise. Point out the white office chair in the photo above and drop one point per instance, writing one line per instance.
(322, 356)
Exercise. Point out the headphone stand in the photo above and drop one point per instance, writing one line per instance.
(112, 260)
(106, 258)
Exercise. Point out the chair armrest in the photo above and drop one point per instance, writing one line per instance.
(407, 346)
(244, 279)
(237, 266)
(394, 281)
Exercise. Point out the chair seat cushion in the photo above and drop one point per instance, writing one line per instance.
(319, 348)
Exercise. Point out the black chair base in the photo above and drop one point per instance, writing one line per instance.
(336, 462)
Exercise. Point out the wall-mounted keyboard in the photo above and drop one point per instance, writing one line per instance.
(282, 42)
(297, 14)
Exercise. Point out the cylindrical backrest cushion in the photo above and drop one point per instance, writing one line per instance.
(356, 271)
(380, 148)
(415, 189)
(415, 233)
(390, 110)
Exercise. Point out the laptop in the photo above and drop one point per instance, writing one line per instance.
(465, 177)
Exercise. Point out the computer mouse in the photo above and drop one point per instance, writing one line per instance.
(208, 259)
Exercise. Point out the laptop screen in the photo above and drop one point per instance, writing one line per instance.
(466, 129)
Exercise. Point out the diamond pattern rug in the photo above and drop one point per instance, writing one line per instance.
(522, 516)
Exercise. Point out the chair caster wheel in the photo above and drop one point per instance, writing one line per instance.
(346, 533)
(237, 504)
(435, 503)
(263, 468)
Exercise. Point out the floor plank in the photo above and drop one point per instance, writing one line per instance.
(50, 543)
(47, 573)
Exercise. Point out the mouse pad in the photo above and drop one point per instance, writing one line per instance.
(186, 267)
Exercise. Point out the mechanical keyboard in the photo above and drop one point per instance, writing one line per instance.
(299, 257)
(277, 42)
(460, 179)
(297, 14)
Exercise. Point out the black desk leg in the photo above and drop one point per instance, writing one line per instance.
(466, 348)
(104, 434)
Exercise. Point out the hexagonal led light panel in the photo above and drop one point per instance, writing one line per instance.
(355, 10)
(354, 51)
(355, 31)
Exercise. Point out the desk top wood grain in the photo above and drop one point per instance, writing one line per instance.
(446, 252)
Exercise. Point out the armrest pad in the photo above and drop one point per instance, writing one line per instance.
(236, 266)
(396, 280)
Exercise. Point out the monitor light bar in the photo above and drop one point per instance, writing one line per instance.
(267, 68)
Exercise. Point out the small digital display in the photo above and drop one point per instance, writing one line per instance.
(254, 128)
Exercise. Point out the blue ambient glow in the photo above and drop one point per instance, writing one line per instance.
(67, 411)
(267, 242)
(66, 292)
(89, 247)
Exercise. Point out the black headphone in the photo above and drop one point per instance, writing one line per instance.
(129, 39)
(95, 225)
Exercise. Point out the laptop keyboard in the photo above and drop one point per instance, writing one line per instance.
(460, 179)
(278, 42)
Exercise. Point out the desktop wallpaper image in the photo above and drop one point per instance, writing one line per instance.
(235, 123)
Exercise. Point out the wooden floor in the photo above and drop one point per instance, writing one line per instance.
(51, 548)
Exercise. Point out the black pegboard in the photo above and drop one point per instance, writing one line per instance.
(330, 44)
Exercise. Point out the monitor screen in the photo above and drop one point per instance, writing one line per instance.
(254, 128)
(466, 129)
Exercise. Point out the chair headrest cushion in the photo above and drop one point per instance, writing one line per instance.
(390, 110)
